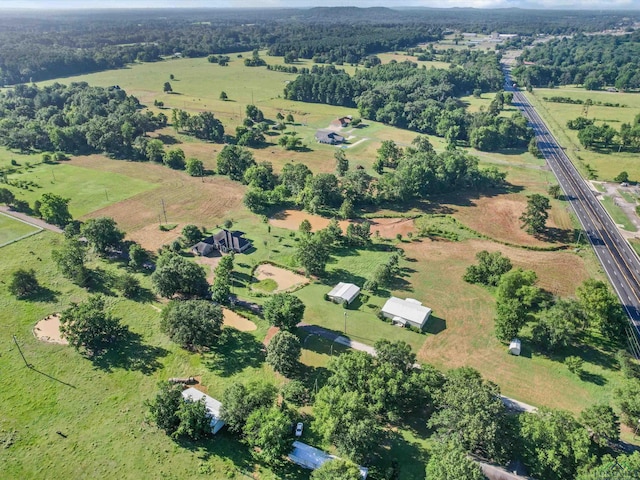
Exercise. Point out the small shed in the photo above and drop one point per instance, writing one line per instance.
(409, 311)
(514, 347)
(344, 293)
(310, 457)
(213, 406)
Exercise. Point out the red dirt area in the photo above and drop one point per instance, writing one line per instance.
(285, 279)
(291, 220)
(48, 330)
(390, 227)
(152, 238)
(499, 218)
(387, 227)
(270, 334)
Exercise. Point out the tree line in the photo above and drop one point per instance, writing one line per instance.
(594, 61)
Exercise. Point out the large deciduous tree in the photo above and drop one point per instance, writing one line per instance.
(102, 233)
(491, 266)
(89, 326)
(449, 461)
(268, 431)
(195, 420)
(602, 308)
(602, 423)
(163, 409)
(233, 161)
(516, 298)
(70, 259)
(176, 275)
(283, 352)
(312, 253)
(23, 283)
(239, 401)
(55, 209)
(193, 324)
(470, 410)
(554, 445)
(534, 218)
(284, 310)
(337, 469)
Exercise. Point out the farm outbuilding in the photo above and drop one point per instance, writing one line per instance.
(310, 457)
(213, 406)
(406, 312)
(344, 293)
(514, 347)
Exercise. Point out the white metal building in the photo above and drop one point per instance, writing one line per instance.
(344, 292)
(310, 457)
(213, 406)
(409, 311)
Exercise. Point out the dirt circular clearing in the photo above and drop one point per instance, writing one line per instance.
(285, 279)
(232, 319)
(48, 330)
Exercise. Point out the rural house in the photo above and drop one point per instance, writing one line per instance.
(403, 312)
(213, 406)
(342, 121)
(344, 293)
(224, 241)
(310, 457)
(329, 137)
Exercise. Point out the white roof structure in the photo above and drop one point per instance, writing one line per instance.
(213, 406)
(310, 457)
(515, 347)
(406, 311)
(345, 291)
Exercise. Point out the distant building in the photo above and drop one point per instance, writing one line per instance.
(342, 121)
(213, 406)
(224, 241)
(310, 457)
(344, 293)
(329, 137)
(403, 312)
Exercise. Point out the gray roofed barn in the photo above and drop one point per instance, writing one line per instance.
(409, 311)
(344, 292)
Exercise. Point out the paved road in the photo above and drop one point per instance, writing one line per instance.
(36, 222)
(618, 259)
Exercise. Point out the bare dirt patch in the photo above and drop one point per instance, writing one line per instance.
(152, 238)
(48, 330)
(499, 218)
(270, 334)
(390, 227)
(291, 220)
(232, 319)
(285, 279)
(210, 263)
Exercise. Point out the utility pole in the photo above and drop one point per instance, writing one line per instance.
(15, 340)
(345, 323)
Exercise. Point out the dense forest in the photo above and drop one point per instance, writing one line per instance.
(594, 61)
(77, 119)
(420, 99)
(34, 48)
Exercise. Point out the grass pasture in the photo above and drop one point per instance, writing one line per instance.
(87, 190)
(12, 229)
(606, 164)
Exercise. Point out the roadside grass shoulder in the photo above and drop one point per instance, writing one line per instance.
(618, 215)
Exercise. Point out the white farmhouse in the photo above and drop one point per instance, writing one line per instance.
(406, 312)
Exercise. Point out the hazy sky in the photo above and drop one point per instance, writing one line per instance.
(569, 4)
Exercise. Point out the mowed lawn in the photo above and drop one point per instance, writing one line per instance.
(100, 408)
(12, 229)
(556, 115)
(87, 189)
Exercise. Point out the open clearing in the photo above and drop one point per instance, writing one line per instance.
(12, 229)
(386, 227)
(48, 330)
(285, 279)
(88, 192)
(232, 319)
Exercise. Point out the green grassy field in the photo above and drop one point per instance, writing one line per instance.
(87, 190)
(556, 115)
(12, 229)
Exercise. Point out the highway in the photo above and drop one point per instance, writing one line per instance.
(618, 260)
